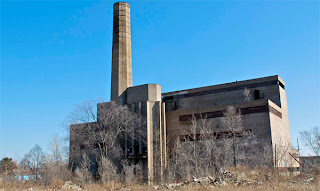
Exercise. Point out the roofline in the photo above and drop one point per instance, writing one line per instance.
(230, 84)
(142, 85)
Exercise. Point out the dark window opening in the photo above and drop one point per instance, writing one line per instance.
(214, 114)
(216, 135)
(167, 98)
(257, 94)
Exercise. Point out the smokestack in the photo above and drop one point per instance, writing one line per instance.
(121, 77)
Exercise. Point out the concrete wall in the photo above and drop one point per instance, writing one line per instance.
(153, 136)
(143, 93)
(147, 98)
(258, 122)
(266, 125)
(271, 126)
(285, 115)
(229, 93)
(280, 133)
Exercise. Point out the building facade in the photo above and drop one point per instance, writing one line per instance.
(263, 109)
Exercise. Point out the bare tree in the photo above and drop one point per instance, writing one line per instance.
(56, 149)
(54, 166)
(106, 135)
(201, 150)
(24, 164)
(34, 160)
(312, 139)
(107, 170)
(232, 122)
(247, 94)
(83, 173)
(131, 173)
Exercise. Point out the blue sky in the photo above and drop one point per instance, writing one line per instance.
(56, 54)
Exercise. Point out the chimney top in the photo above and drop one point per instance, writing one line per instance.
(121, 3)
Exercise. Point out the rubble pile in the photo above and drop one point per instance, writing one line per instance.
(70, 186)
(306, 182)
(225, 178)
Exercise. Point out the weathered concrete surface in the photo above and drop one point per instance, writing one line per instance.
(146, 100)
(229, 93)
(143, 93)
(257, 122)
(153, 126)
(121, 77)
(271, 126)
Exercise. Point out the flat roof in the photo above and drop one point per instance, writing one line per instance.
(226, 85)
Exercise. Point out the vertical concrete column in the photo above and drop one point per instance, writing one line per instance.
(150, 143)
(153, 126)
(163, 140)
(121, 77)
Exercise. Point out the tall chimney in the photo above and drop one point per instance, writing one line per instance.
(121, 77)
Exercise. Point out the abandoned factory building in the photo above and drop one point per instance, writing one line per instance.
(265, 114)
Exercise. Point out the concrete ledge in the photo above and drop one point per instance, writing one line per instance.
(223, 107)
(143, 93)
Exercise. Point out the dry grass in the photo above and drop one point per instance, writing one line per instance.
(98, 187)
(267, 181)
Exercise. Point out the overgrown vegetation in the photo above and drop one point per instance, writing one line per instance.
(199, 152)
(106, 136)
(252, 179)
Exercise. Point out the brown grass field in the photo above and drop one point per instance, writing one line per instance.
(249, 181)
(268, 186)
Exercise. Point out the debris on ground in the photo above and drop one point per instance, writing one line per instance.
(306, 182)
(70, 186)
(223, 179)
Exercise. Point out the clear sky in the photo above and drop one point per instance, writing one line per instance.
(56, 54)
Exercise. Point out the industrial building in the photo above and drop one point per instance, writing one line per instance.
(264, 114)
